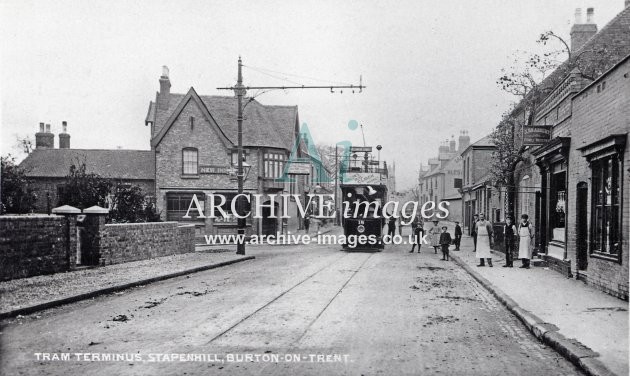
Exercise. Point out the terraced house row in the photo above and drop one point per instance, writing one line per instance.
(574, 176)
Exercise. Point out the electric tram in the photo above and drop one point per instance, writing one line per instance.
(364, 192)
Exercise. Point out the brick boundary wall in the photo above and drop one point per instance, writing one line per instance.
(127, 242)
(36, 244)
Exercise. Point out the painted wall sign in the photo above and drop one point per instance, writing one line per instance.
(213, 170)
(536, 135)
(299, 168)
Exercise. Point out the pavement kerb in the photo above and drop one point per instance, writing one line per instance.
(111, 289)
(577, 353)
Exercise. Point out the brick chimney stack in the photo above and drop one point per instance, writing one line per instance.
(453, 144)
(582, 32)
(164, 95)
(64, 137)
(464, 141)
(44, 139)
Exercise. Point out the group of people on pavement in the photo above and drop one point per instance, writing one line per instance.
(482, 233)
(439, 236)
(483, 240)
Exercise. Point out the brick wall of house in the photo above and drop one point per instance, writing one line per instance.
(36, 244)
(211, 151)
(480, 162)
(597, 114)
(140, 241)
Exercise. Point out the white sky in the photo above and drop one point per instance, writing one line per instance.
(430, 66)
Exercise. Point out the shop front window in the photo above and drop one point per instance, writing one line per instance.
(606, 224)
(558, 201)
(177, 204)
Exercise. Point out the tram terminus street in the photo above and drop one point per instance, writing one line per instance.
(385, 311)
(315, 187)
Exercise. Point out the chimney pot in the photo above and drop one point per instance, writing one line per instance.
(590, 15)
(165, 90)
(44, 139)
(64, 137)
(578, 16)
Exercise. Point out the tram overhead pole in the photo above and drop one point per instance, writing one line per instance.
(240, 90)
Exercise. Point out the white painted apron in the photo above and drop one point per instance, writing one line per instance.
(524, 244)
(483, 241)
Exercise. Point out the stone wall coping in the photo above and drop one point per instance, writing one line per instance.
(66, 209)
(29, 216)
(95, 210)
(140, 224)
(187, 225)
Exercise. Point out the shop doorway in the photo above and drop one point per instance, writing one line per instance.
(581, 224)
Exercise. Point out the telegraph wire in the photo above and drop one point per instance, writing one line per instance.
(258, 69)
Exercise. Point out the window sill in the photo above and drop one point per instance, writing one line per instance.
(605, 256)
(184, 176)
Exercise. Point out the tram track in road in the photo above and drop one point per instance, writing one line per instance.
(279, 296)
(330, 301)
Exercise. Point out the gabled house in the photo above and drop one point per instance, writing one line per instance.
(194, 138)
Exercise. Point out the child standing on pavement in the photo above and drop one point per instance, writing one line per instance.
(445, 242)
(435, 235)
(418, 234)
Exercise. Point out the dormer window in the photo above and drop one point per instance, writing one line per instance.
(190, 161)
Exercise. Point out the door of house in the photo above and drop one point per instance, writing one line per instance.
(581, 224)
(269, 224)
(537, 219)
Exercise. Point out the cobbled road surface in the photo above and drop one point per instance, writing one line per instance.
(380, 313)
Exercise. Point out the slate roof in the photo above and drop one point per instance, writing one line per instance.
(263, 125)
(441, 170)
(485, 141)
(113, 164)
(614, 36)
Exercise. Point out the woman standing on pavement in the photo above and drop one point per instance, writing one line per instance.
(526, 234)
(435, 235)
(484, 240)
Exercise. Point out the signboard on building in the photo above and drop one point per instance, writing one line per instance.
(361, 178)
(361, 149)
(213, 170)
(299, 168)
(536, 135)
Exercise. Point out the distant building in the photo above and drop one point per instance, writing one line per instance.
(442, 180)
